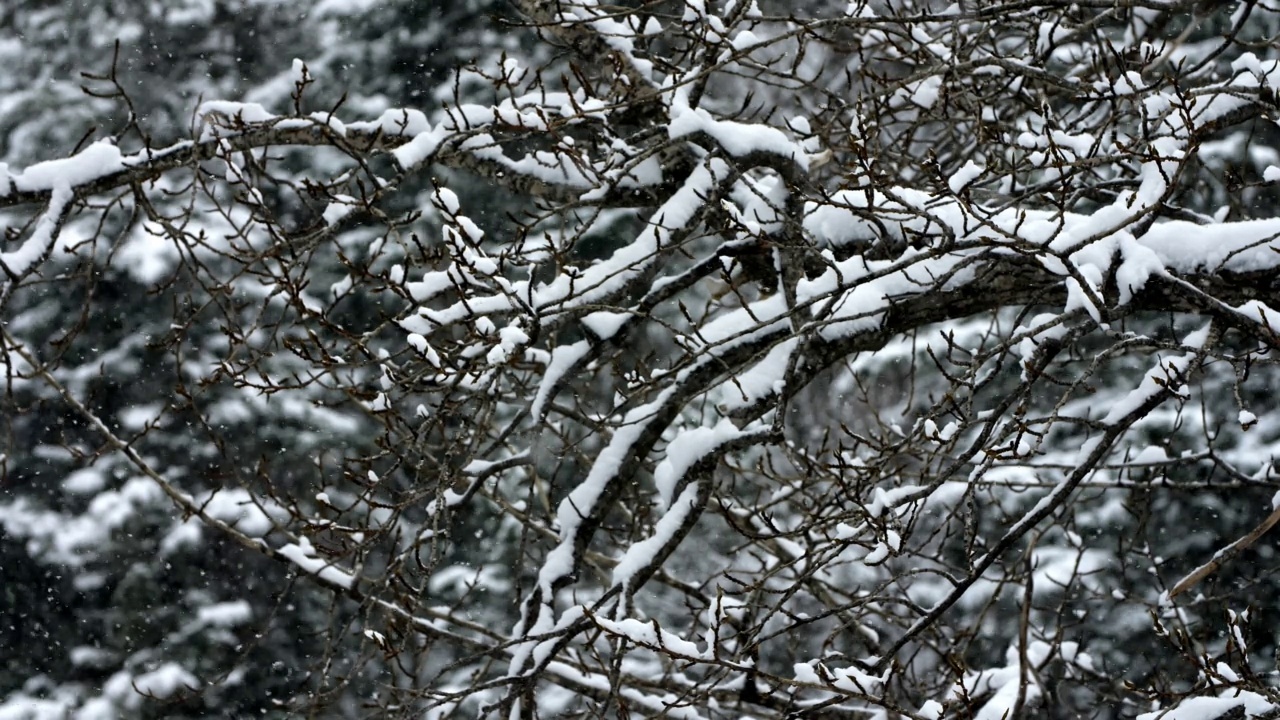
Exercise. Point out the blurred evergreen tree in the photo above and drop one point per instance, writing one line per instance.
(100, 587)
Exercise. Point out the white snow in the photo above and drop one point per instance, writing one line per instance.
(925, 92)
(1150, 454)
(396, 122)
(649, 635)
(330, 120)
(667, 705)
(563, 358)
(95, 161)
(226, 110)
(39, 244)
(619, 34)
(745, 39)
(1207, 708)
(74, 540)
(253, 516)
(137, 417)
(1178, 245)
(1160, 379)
(303, 555)
(878, 555)
(182, 534)
(931, 710)
(685, 450)
(582, 500)
(148, 256)
(421, 148)
(165, 681)
(736, 138)
(1004, 686)
(342, 206)
(227, 614)
(1137, 265)
(644, 553)
(85, 481)
(965, 176)
(891, 499)
(605, 325)
(850, 678)
(86, 655)
(600, 280)
(1261, 313)
(760, 380)
(510, 338)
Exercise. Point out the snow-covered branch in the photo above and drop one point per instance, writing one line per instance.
(694, 360)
